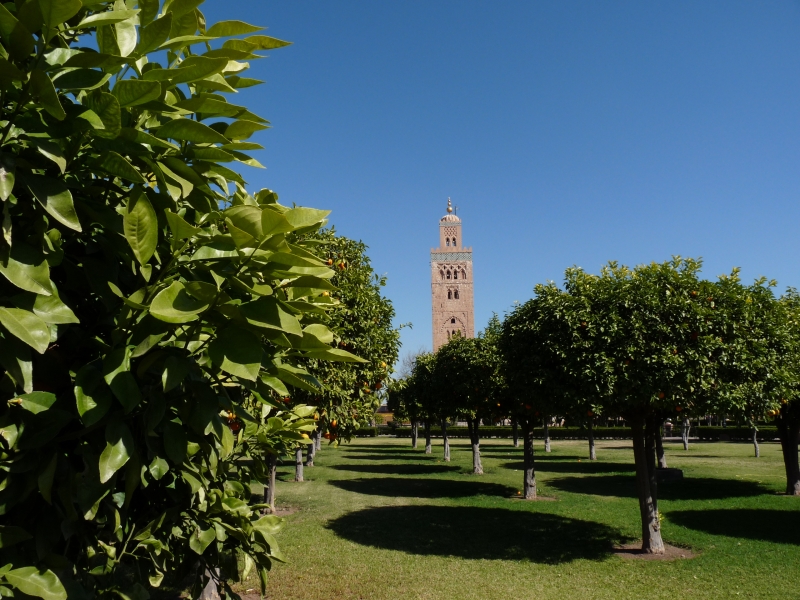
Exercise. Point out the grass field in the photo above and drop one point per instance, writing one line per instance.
(377, 520)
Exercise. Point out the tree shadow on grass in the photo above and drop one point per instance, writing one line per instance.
(422, 488)
(390, 469)
(477, 533)
(779, 526)
(585, 466)
(624, 486)
(391, 457)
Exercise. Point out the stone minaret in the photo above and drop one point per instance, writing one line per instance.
(451, 283)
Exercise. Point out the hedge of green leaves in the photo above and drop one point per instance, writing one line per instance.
(150, 307)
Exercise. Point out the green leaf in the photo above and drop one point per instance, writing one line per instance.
(267, 312)
(264, 42)
(119, 449)
(175, 371)
(126, 36)
(52, 151)
(193, 68)
(81, 79)
(27, 327)
(116, 164)
(7, 178)
(186, 130)
(116, 372)
(229, 28)
(334, 354)
(181, 230)
(141, 227)
(27, 269)
(175, 442)
(34, 582)
(132, 92)
(56, 12)
(106, 18)
(17, 40)
(241, 130)
(154, 34)
(238, 352)
(200, 539)
(92, 395)
(158, 468)
(304, 217)
(46, 477)
(149, 11)
(10, 535)
(43, 89)
(175, 305)
(35, 402)
(15, 357)
(55, 198)
(52, 310)
(106, 107)
(184, 40)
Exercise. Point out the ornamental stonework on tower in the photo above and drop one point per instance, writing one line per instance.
(451, 283)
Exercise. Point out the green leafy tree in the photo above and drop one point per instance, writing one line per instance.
(149, 305)
(360, 323)
(419, 390)
(787, 411)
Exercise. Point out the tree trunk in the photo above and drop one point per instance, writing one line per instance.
(446, 441)
(298, 464)
(474, 437)
(687, 425)
(428, 448)
(414, 434)
(311, 449)
(546, 423)
(755, 442)
(592, 451)
(269, 494)
(789, 433)
(529, 477)
(515, 432)
(319, 441)
(211, 591)
(644, 456)
(662, 459)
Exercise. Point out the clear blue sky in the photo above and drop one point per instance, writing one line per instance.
(567, 133)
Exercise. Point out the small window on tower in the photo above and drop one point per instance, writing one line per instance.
(448, 274)
(463, 274)
(441, 274)
(449, 295)
(455, 294)
(447, 241)
(455, 274)
(453, 320)
(454, 241)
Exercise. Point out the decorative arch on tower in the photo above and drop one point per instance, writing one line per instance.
(453, 325)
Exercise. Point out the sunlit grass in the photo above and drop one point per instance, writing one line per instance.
(377, 520)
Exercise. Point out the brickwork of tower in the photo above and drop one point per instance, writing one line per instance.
(451, 283)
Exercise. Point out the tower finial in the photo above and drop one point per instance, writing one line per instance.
(449, 206)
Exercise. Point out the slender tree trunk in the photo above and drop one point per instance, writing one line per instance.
(272, 470)
(687, 426)
(789, 433)
(211, 591)
(662, 459)
(298, 464)
(592, 451)
(755, 442)
(529, 477)
(475, 439)
(319, 441)
(515, 432)
(414, 434)
(428, 448)
(446, 441)
(546, 423)
(311, 449)
(644, 455)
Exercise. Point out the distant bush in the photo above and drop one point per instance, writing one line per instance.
(735, 433)
(556, 433)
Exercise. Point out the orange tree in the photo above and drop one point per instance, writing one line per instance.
(147, 303)
(786, 411)
(415, 397)
(359, 319)
(536, 345)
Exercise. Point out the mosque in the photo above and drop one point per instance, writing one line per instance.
(451, 283)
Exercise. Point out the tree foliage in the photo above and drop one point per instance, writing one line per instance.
(151, 310)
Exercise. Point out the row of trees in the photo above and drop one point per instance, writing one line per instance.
(164, 334)
(644, 344)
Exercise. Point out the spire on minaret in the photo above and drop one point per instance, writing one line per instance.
(449, 206)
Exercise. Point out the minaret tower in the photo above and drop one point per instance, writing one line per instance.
(451, 283)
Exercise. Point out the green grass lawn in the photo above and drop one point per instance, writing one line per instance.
(376, 519)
